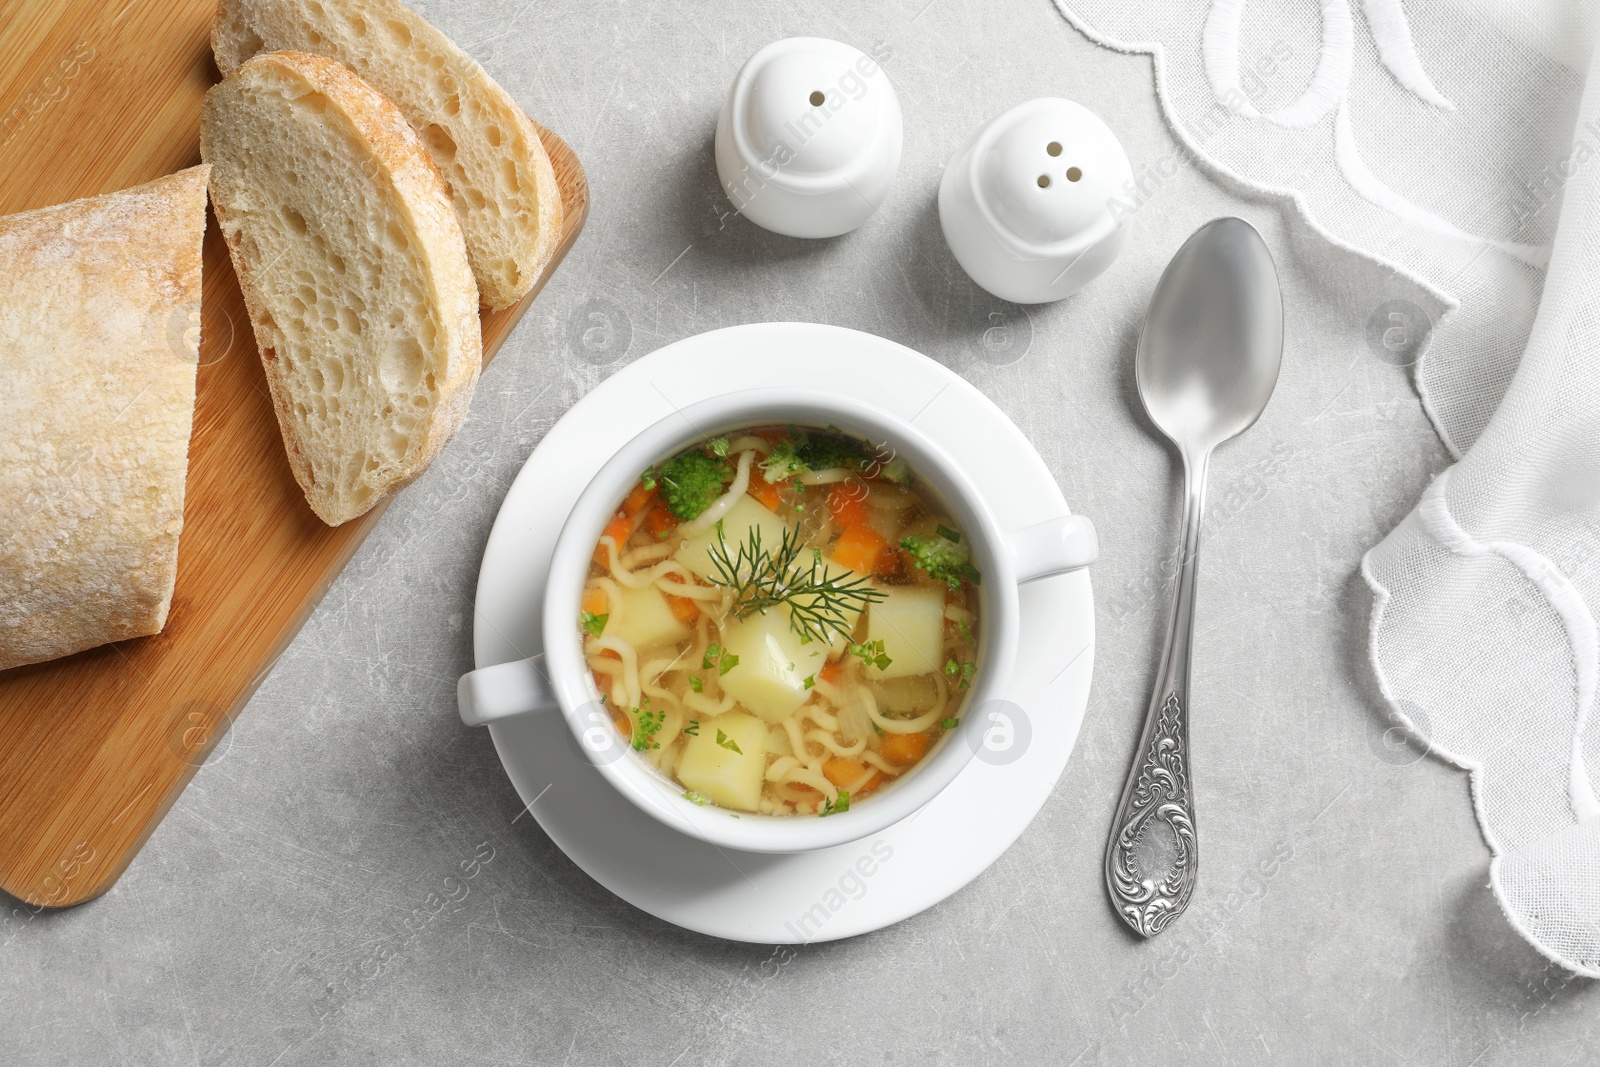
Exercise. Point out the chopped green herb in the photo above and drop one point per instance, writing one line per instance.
(949, 724)
(693, 729)
(969, 572)
(648, 479)
(719, 447)
(727, 663)
(728, 743)
(966, 631)
(595, 624)
(694, 798)
(696, 684)
(713, 650)
(650, 723)
(834, 807)
(949, 535)
(811, 680)
(871, 654)
(961, 672)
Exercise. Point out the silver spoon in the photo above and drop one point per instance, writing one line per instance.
(1206, 366)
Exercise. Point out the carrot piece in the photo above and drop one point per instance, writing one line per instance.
(767, 494)
(842, 770)
(904, 748)
(594, 601)
(848, 504)
(636, 500)
(770, 434)
(860, 548)
(660, 522)
(620, 528)
(872, 783)
(831, 672)
(685, 608)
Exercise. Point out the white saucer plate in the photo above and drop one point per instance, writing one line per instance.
(835, 892)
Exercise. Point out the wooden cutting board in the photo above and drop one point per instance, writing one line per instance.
(95, 748)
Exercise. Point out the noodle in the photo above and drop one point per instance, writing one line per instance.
(613, 595)
(825, 739)
(707, 705)
(638, 557)
(630, 663)
(827, 477)
(691, 592)
(635, 579)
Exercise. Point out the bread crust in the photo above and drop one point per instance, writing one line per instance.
(399, 168)
(99, 342)
(439, 88)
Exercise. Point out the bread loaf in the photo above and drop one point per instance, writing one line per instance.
(99, 340)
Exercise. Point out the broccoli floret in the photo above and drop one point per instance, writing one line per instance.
(691, 483)
(896, 471)
(782, 463)
(943, 558)
(824, 451)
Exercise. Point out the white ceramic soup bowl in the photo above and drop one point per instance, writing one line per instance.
(558, 680)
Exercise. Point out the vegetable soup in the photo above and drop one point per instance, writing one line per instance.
(781, 621)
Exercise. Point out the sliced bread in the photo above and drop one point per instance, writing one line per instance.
(354, 272)
(99, 336)
(488, 151)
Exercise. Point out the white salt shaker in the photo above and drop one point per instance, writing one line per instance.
(809, 137)
(1026, 204)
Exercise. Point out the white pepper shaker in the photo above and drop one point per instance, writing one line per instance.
(1025, 205)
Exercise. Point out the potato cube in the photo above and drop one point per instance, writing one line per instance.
(646, 620)
(746, 514)
(774, 663)
(720, 773)
(910, 623)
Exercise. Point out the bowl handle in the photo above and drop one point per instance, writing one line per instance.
(490, 694)
(1055, 546)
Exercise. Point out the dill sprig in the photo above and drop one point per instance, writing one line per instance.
(818, 600)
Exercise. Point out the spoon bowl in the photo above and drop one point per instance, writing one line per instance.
(1212, 343)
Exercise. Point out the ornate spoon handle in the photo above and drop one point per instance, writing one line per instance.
(1152, 857)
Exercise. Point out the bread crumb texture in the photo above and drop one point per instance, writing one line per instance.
(354, 272)
(99, 340)
(488, 152)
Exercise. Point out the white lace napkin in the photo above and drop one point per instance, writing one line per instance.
(1453, 141)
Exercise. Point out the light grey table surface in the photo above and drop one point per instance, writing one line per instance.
(1342, 916)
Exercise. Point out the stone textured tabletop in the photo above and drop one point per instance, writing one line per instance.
(288, 909)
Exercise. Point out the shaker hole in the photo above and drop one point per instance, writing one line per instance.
(1044, 181)
(817, 98)
(1054, 148)
(1073, 174)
